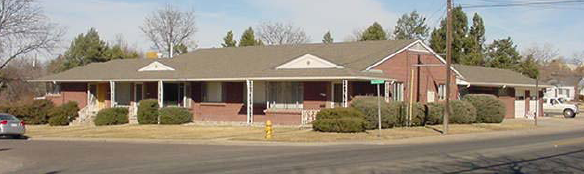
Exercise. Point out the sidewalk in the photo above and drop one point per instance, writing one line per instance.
(546, 126)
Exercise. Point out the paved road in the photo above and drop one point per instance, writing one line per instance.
(553, 153)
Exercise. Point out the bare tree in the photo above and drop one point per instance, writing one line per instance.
(544, 53)
(280, 34)
(169, 27)
(25, 29)
(356, 35)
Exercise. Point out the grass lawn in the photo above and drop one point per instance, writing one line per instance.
(285, 134)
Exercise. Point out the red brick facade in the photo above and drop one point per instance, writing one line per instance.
(426, 78)
(71, 92)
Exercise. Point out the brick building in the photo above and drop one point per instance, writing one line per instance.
(287, 84)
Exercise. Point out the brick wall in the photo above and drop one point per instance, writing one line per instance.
(426, 78)
(71, 92)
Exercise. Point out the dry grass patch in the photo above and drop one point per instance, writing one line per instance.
(285, 134)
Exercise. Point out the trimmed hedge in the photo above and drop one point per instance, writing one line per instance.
(462, 112)
(489, 109)
(342, 120)
(393, 114)
(174, 115)
(62, 115)
(434, 113)
(111, 116)
(341, 125)
(148, 112)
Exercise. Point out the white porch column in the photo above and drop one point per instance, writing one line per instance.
(332, 94)
(249, 84)
(386, 87)
(345, 93)
(160, 93)
(112, 94)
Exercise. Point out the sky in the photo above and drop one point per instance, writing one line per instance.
(558, 25)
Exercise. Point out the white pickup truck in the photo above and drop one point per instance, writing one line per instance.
(557, 106)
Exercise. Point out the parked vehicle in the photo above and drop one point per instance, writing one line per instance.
(11, 126)
(558, 106)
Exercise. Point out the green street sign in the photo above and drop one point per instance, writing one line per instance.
(375, 82)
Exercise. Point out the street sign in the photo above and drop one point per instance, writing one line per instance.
(375, 82)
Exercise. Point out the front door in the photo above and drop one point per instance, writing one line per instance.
(101, 95)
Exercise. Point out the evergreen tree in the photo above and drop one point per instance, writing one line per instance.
(411, 26)
(180, 49)
(459, 28)
(85, 48)
(374, 32)
(327, 38)
(503, 54)
(228, 40)
(529, 67)
(473, 46)
(248, 39)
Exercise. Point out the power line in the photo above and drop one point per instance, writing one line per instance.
(524, 4)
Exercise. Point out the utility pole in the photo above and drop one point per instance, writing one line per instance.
(536, 98)
(448, 61)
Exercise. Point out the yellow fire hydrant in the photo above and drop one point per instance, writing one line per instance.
(269, 130)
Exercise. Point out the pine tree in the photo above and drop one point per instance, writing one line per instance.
(228, 40)
(85, 48)
(180, 49)
(248, 38)
(459, 28)
(327, 38)
(374, 32)
(473, 45)
(503, 54)
(529, 67)
(411, 26)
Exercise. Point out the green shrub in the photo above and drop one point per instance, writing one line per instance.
(39, 112)
(148, 112)
(59, 120)
(337, 113)
(111, 116)
(174, 115)
(489, 109)
(63, 114)
(341, 125)
(343, 120)
(36, 112)
(434, 113)
(393, 114)
(462, 112)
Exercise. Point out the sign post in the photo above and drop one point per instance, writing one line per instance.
(378, 82)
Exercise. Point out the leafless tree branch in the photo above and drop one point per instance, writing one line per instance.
(169, 27)
(25, 29)
(281, 34)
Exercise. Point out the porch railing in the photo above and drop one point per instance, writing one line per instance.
(309, 115)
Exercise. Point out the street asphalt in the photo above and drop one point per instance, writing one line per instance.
(561, 152)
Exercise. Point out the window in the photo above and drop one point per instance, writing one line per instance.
(441, 92)
(285, 95)
(398, 91)
(53, 89)
(213, 92)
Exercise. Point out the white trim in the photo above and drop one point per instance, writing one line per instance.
(228, 79)
(113, 94)
(407, 48)
(327, 64)
(507, 85)
(156, 66)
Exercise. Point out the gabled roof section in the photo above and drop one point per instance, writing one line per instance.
(156, 66)
(308, 61)
(484, 76)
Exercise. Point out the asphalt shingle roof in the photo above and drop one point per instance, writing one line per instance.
(244, 62)
(476, 75)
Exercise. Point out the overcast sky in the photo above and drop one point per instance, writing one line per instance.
(560, 25)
